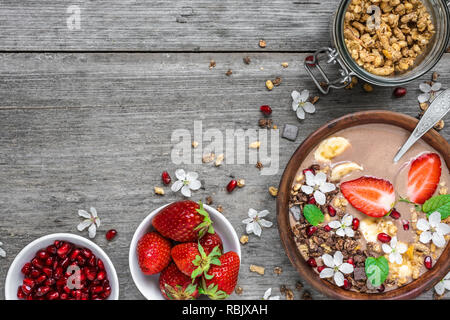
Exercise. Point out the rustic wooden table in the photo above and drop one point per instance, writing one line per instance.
(86, 115)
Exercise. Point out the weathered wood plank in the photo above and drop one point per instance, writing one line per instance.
(188, 25)
(81, 130)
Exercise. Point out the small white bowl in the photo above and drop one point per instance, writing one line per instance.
(15, 277)
(149, 285)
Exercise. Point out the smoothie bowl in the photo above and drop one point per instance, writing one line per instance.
(355, 224)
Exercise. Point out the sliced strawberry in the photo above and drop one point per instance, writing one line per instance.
(372, 196)
(423, 177)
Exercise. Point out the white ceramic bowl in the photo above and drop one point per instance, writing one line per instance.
(149, 285)
(15, 277)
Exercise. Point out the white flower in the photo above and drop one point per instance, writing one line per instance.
(254, 222)
(186, 182)
(336, 268)
(442, 285)
(2, 252)
(318, 185)
(267, 295)
(92, 221)
(344, 226)
(395, 250)
(433, 230)
(429, 92)
(300, 103)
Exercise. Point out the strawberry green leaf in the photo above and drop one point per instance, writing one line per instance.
(206, 225)
(440, 203)
(313, 214)
(418, 206)
(377, 270)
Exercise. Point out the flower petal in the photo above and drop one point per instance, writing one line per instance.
(386, 248)
(263, 213)
(304, 96)
(402, 247)
(94, 212)
(340, 232)
(310, 178)
(328, 260)
(191, 176)
(338, 257)
(347, 220)
(425, 237)
(84, 214)
(439, 288)
(334, 224)
(84, 224)
(447, 284)
(92, 230)
(326, 273)
(436, 86)
(257, 229)
(295, 96)
(265, 223)
(397, 258)
(2, 253)
(434, 219)
(349, 232)
(249, 227)
(180, 174)
(309, 107)
(247, 221)
(267, 294)
(327, 187)
(176, 186)
(424, 97)
(424, 87)
(307, 189)
(320, 178)
(252, 213)
(97, 222)
(300, 113)
(423, 225)
(394, 242)
(294, 105)
(346, 268)
(185, 191)
(339, 279)
(443, 229)
(320, 197)
(438, 240)
(194, 184)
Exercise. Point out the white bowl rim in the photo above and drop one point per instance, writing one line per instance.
(152, 214)
(78, 240)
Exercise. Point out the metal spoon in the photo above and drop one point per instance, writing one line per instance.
(435, 112)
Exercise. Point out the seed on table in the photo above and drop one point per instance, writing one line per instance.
(219, 208)
(209, 200)
(208, 157)
(159, 190)
(367, 87)
(212, 64)
(244, 239)
(247, 60)
(424, 106)
(111, 234)
(266, 110)
(255, 145)
(278, 270)
(273, 191)
(298, 285)
(241, 183)
(229, 72)
(269, 85)
(399, 92)
(219, 160)
(257, 269)
(262, 43)
(259, 165)
(194, 144)
(285, 64)
(166, 179)
(314, 99)
(277, 81)
(439, 125)
(231, 185)
(238, 290)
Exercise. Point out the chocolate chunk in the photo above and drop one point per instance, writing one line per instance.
(359, 274)
(290, 132)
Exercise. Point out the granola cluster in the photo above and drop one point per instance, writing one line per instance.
(404, 31)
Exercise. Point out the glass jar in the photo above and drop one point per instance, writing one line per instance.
(339, 54)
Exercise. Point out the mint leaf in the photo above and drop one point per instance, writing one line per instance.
(440, 203)
(313, 214)
(377, 270)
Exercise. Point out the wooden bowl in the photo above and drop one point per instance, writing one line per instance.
(412, 289)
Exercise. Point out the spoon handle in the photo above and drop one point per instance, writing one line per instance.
(435, 112)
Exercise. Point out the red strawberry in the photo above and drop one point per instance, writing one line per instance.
(153, 253)
(209, 241)
(423, 177)
(175, 285)
(192, 259)
(372, 196)
(220, 280)
(183, 221)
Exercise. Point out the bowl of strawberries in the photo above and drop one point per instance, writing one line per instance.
(185, 250)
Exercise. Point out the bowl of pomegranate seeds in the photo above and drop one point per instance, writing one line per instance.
(62, 266)
(183, 251)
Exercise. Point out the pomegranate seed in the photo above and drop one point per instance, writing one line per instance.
(111, 234)
(331, 211)
(29, 282)
(395, 214)
(107, 292)
(231, 185)
(355, 224)
(312, 262)
(49, 261)
(347, 284)
(42, 291)
(50, 282)
(100, 264)
(310, 231)
(53, 295)
(350, 260)
(101, 275)
(91, 261)
(166, 179)
(57, 243)
(91, 274)
(266, 110)
(86, 252)
(36, 263)
(384, 237)
(327, 228)
(64, 296)
(81, 261)
(399, 92)
(405, 225)
(35, 273)
(41, 279)
(26, 289)
(428, 262)
(63, 250)
(65, 262)
(96, 289)
(58, 272)
(320, 268)
(42, 255)
(26, 269)
(311, 200)
(74, 254)
(381, 288)
(20, 293)
(309, 60)
(48, 271)
(51, 250)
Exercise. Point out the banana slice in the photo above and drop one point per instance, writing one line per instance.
(330, 148)
(344, 169)
(369, 229)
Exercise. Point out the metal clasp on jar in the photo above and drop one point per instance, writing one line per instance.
(325, 83)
